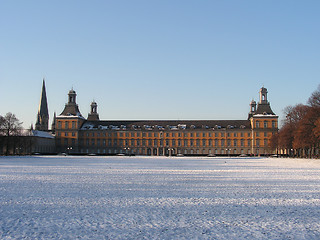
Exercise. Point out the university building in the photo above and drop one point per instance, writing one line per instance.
(76, 134)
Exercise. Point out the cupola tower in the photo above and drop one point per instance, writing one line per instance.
(93, 115)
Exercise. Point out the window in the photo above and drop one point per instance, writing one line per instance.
(242, 142)
(228, 142)
(155, 142)
(66, 125)
(179, 143)
(257, 124)
(242, 135)
(73, 124)
(265, 134)
(92, 142)
(222, 142)
(234, 142)
(265, 142)
(222, 134)
(257, 134)
(203, 142)
(274, 124)
(66, 134)
(210, 142)
(173, 142)
(258, 142)
(235, 135)
(265, 124)
(216, 142)
(198, 142)
(185, 142)
(249, 142)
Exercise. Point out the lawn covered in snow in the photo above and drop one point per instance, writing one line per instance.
(61, 197)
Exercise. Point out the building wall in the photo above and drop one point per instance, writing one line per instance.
(168, 142)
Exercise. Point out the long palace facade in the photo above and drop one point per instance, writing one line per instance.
(78, 135)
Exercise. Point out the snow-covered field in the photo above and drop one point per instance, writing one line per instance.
(159, 198)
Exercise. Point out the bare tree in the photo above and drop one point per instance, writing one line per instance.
(314, 100)
(10, 125)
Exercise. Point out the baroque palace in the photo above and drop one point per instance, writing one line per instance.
(76, 134)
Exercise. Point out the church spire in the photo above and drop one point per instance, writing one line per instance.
(43, 113)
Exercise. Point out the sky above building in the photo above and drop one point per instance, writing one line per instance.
(158, 59)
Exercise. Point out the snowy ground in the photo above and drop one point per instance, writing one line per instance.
(159, 198)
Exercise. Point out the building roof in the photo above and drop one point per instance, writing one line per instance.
(264, 108)
(166, 124)
(71, 109)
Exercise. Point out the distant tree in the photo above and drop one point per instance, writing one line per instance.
(314, 100)
(274, 142)
(10, 125)
(286, 135)
(301, 128)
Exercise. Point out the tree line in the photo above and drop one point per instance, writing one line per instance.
(299, 135)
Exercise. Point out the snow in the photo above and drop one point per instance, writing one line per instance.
(42, 134)
(58, 197)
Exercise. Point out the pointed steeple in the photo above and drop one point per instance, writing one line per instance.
(43, 113)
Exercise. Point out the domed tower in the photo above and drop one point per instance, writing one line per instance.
(43, 113)
(263, 105)
(93, 115)
(68, 125)
(71, 108)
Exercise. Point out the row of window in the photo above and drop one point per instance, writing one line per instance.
(169, 143)
(93, 134)
(265, 124)
(67, 125)
(144, 151)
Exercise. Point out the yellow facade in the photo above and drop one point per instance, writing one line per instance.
(76, 134)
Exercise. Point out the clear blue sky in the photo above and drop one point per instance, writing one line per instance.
(158, 59)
